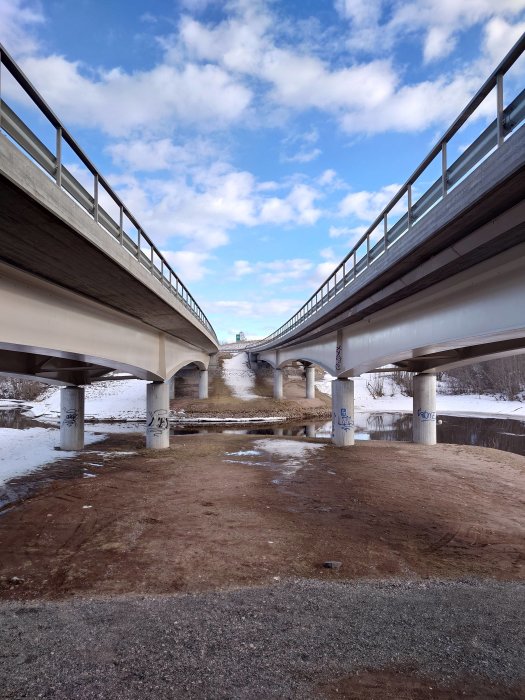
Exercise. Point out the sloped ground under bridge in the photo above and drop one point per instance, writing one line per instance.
(255, 518)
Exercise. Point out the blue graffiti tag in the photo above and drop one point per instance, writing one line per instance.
(345, 422)
(425, 415)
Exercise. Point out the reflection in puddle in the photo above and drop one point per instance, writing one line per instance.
(501, 433)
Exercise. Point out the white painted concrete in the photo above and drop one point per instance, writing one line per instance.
(310, 382)
(72, 418)
(157, 416)
(38, 317)
(343, 412)
(473, 308)
(424, 416)
(277, 383)
(203, 384)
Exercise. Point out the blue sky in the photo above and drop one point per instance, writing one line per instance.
(255, 140)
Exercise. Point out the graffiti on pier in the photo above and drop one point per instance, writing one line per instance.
(343, 420)
(158, 422)
(338, 357)
(70, 417)
(425, 415)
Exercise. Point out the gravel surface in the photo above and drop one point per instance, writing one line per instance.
(275, 642)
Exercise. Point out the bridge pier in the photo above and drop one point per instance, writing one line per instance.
(171, 385)
(310, 382)
(203, 384)
(424, 413)
(343, 412)
(157, 416)
(278, 383)
(72, 418)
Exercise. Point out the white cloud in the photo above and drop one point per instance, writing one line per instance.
(18, 19)
(360, 12)
(303, 156)
(242, 268)
(353, 232)
(254, 309)
(189, 265)
(119, 102)
(297, 207)
(327, 177)
(273, 271)
(438, 44)
(366, 205)
(161, 154)
(500, 36)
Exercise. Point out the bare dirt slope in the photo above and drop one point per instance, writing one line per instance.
(224, 404)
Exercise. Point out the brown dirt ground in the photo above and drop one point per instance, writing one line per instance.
(184, 519)
(406, 684)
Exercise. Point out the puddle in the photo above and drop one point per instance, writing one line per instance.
(506, 434)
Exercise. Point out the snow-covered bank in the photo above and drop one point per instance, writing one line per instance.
(121, 401)
(447, 404)
(238, 377)
(22, 451)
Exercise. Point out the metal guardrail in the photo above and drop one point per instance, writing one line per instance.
(367, 250)
(143, 248)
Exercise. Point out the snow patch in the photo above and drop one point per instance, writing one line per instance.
(457, 405)
(23, 451)
(293, 452)
(121, 400)
(238, 377)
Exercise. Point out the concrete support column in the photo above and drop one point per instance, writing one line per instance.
(277, 383)
(171, 385)
(343, 412)
(310, 430)
(424, 415)
(72, 418)
(157, 416)
(203, 384)
(310, 382)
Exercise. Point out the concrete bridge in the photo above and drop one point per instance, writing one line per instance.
(84, 290)
(439, 285)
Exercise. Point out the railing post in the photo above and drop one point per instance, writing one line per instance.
(385, 232)
(444, 183)
(58, 175)
(0, 89)
(121, 226)
(409, 202)
(499, 107)
(355, 262)
(138, 244)
(95, 198)
(367, 250)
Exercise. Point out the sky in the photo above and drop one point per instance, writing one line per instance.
(256, 140)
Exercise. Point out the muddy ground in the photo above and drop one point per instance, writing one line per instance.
(201, 516)
(228, 511)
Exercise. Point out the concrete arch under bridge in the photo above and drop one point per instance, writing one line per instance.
(59, 337)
